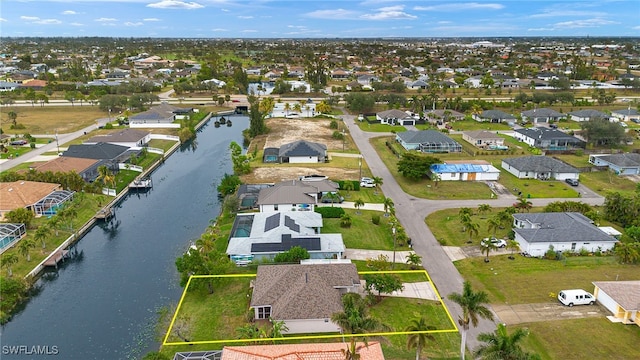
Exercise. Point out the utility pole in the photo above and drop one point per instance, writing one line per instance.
(393, 230)
(57, 144)
(360, 165)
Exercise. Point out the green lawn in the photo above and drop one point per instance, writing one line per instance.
(532, 280)
(365, 126)
(426, 188)
(535, 188)
(469, 125)
(363, 234)
(604, 181)
(591, 338)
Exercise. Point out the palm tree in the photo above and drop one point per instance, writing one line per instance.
(12, 115)
(348, 186)
(8, 260)
(513, 246)
(297, 108)
(248, 331)
(493, 224)
(358, 204)
(419, 336)
(287, 107)
(24, 247)
(354, 318)
(501, 345)
(106, 176)
(277, 328)
(473, 228)
(414, 260)
(473, 308)
(523, 204)
(626, 252)
(484, 208)
(377, 181)
(388, 205)
(42, 234)
(345, 220)
(486, 247)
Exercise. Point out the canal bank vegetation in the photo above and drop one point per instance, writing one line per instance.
(43, 236)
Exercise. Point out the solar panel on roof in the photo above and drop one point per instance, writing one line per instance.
(272, 222)
(311, 244)
(291, 224)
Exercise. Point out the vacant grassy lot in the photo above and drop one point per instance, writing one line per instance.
(447, 228)
(426, 188)
(532, 280)
(592, 338)
(470, 125)
(49, 119)
(366, 126)
(605, 181)
(535, 188)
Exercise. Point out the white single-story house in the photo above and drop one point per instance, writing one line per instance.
(542, 115)
(494, 116)
(302, 152)
(548, 139)
(622, 298)
(126, 137)
(294, 195)
(621, 164)
(464, 172)
(628, 114)
(303, 296)
(587, 115)
(536, 233)
(258, 236)
(395, 117)
(539, 167)
(484, 139)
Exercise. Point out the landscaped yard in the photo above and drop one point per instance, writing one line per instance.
(448, 230)
(363, 234)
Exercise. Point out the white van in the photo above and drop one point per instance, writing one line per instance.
(575, 297)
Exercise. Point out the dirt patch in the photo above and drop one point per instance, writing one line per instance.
(283, 131)
(281, 173)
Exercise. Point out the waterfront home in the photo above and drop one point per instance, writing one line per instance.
(294, 195)
(86, 168)
(39, 197)
(366, 351)
(539, 167)
(303, 296)
(297, 152)
(259, 236)
(126, 137)
(536, 233)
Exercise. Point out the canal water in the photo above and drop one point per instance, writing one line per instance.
(105, 304)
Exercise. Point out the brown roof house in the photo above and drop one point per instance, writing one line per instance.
(24, 194)
(329, 351)
(86, 168)
(622, 298)
(303, 296)
(484, 140)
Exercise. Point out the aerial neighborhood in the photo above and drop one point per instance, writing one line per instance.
(338, 199)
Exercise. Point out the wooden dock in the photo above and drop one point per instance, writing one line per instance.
(104, 213)
(144, 183)
(57, 257)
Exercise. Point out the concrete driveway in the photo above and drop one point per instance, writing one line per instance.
(526, 313)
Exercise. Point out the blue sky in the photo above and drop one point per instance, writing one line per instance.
(318, 19)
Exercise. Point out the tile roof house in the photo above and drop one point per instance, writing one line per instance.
(539, 167)
(484, 139)
(23, 194)
(86, 168)
(565, 231)
(302, 152)
(494, 116)
(125, 137)
(548, 139)
(586, 115)
(258, 236)
(294, 195)
(395, 117)
(622, 298)
(303, 296)
(542, 115)
(321, 351)
(621, 164)
(431, 141)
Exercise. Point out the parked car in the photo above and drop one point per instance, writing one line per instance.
(575, 297)
(572, 182)
(19, 142)
(499, 243)
(367, 182)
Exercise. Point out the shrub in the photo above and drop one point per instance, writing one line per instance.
(333, 124)
(337, 135)
(583, 252)
(329, 212)
(375, 219)
(356, 184)
(550, 254)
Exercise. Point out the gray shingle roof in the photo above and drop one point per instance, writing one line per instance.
(560, 227)
(126, 135)
(425, 137)
(393, 114)
(496, 114)
(543, 133)
(626, 159)
(542, 112)
(625, 112)
(302, 148)
(99, 151)
(482, 134)
(589, 113)
(302, 291)
(295, 192)
(540, 164)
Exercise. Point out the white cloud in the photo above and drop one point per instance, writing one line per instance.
(458, 30)
(151, 19)
(76, 24)
(565, 13)
(225, 10)
(69, 12)
(37, 20)
(245, 17)
(219, 30)
(129, 23)
(585, 23)
(3, 19)
(249, 31)
(389, 12)
(633, 28)
(337, 14)
(105, 20)
(175, 4)
(460, 6)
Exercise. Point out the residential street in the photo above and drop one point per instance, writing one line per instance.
(412, 211)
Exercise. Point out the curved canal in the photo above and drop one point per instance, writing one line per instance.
(105, 304)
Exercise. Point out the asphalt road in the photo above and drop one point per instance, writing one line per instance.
(411, 213)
